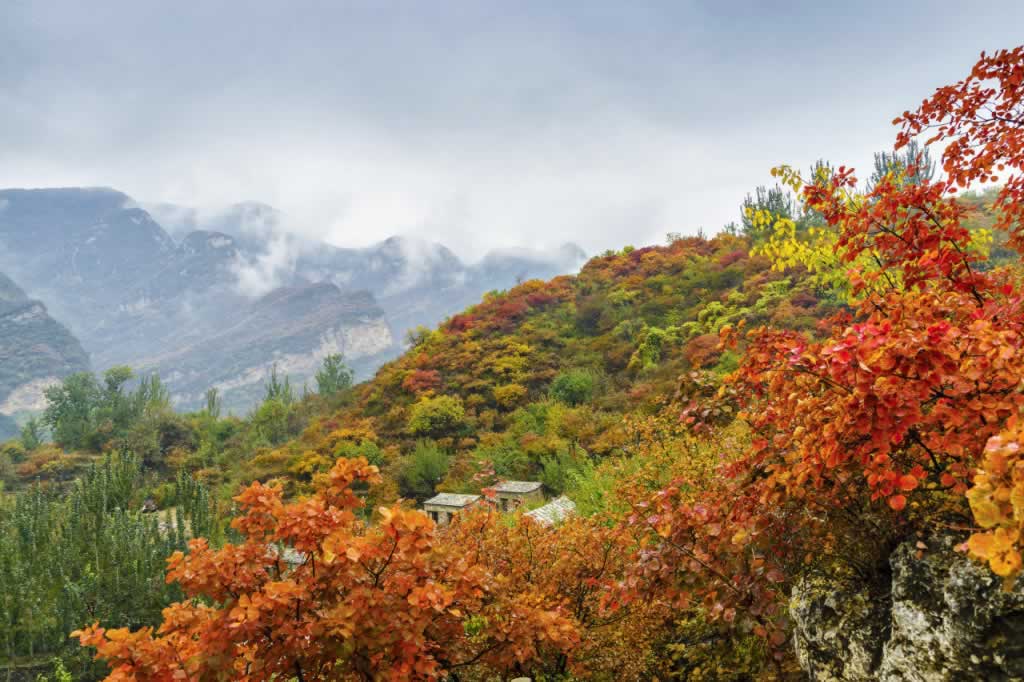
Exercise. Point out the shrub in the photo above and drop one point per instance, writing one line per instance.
(365, 448)
(573, 387)
(509, 395)
(437, 417)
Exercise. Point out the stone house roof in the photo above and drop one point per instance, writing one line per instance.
(452, 500)
(517, 486)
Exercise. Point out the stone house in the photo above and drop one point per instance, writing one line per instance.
(443, 506)
(510, 495)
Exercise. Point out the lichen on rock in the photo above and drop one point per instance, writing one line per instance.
(837, 633)
(946, 617)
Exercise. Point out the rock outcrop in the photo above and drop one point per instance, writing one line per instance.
(944, 617)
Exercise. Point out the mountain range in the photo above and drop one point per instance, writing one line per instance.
(218, 300)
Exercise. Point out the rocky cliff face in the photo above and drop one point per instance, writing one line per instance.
(293, 328)
(416, 282)
(136, 297)
(35, 351)
(940, 617)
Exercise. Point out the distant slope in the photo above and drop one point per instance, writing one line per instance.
(292, 328)
(35, 350)
(136, 297)
(78, 250)
(8, 427)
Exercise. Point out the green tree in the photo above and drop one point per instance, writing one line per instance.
(115, 379)
(334, 376)
(560, 470)
(115, 410)
(776, 200)
(151, 397)
(423, 470)
(573, 387)
(271, 421)
(214, 403)
(88, 553)
(437, 417)
(278, 389)
(70, 409)
(900, 162)
(419, 334)
(32, 434)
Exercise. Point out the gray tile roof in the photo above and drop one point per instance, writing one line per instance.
(452, 500)
(554, 511)
(517, 486)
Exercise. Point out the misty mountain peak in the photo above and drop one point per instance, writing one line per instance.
(416, 250)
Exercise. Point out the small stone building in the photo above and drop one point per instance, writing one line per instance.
(443, 506)
(512, 494)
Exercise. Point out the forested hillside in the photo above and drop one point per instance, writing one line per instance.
(533, 383)
(794, 450)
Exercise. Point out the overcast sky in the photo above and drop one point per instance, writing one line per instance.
(475, 124)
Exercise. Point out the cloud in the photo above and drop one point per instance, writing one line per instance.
(474, 124)
(261, 272)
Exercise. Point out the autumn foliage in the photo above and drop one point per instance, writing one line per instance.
(897, 415)
(981, 121)
(910, 402)
(380, 601)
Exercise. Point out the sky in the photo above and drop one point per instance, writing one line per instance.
(474, 124)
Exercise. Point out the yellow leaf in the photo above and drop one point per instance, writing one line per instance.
(1006, 564)
(986, 512)
(981, 545)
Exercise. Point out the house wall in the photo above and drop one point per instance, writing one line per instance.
(440, 514)
(511, 501)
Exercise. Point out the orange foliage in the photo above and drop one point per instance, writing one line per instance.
(578, 565)
(421, 380)
(895, 405)
(387, 601)
(981, 121)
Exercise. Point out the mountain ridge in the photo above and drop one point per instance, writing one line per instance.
(135, 295)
